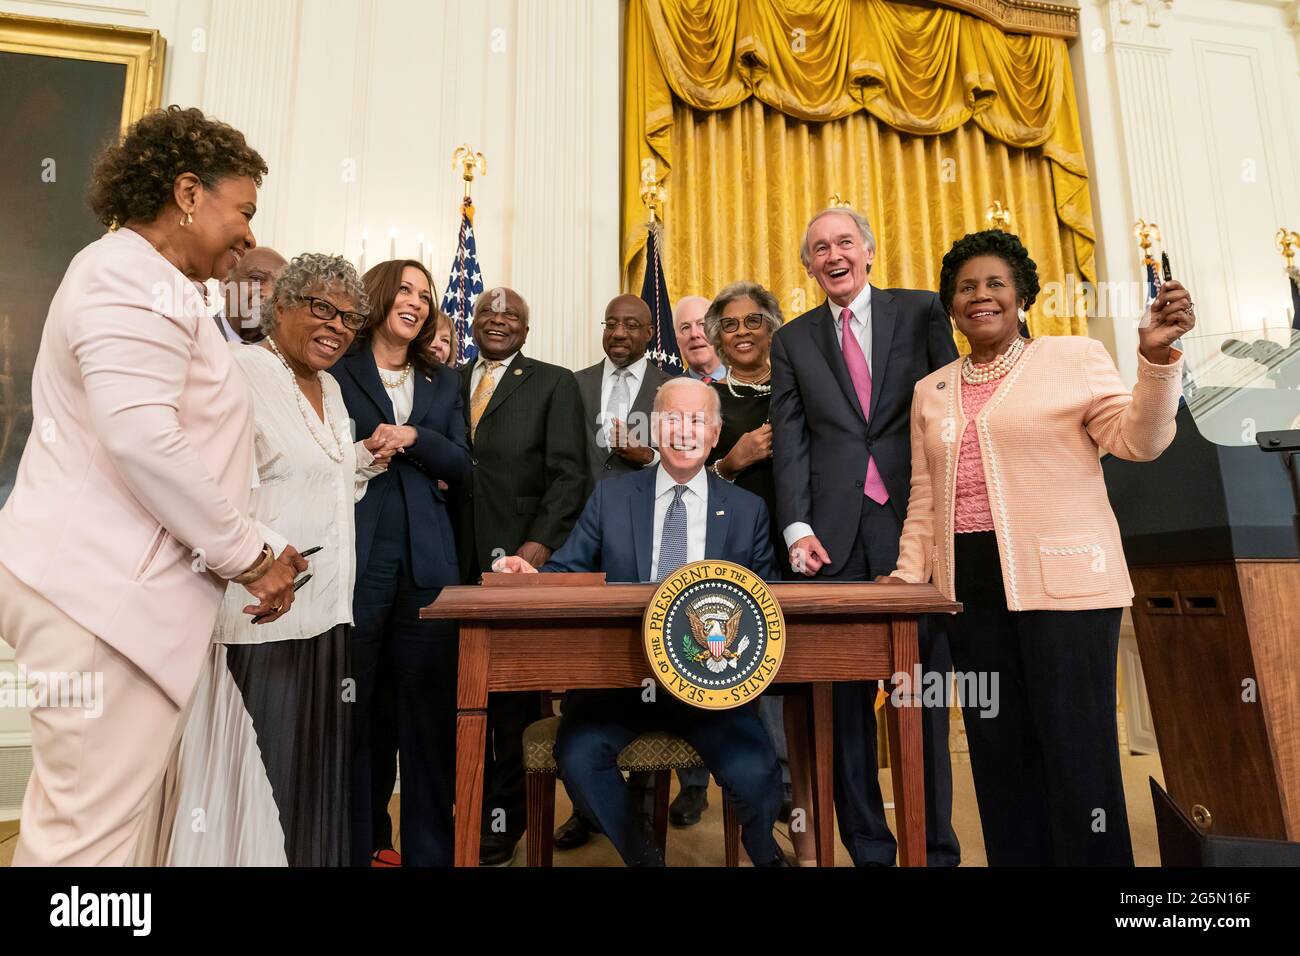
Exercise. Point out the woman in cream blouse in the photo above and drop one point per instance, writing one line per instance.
(263, 769)
(1009, 513)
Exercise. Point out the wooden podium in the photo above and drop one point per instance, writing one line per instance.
(563, 632)
(1209, 542)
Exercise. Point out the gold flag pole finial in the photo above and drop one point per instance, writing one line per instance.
(998, 216)
(652, 197)
(838, 200)
(1146, 233)
(1288, 243)
(470, 163)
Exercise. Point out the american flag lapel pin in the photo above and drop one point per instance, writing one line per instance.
(719, 513)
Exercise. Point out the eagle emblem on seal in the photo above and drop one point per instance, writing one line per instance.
(715, 625)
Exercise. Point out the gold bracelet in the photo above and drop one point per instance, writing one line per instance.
(259, 569)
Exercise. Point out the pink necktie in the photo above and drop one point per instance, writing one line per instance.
(873, 487)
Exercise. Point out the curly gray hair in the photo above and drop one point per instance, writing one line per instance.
(309, 273)
(864, 227)
(766, 301)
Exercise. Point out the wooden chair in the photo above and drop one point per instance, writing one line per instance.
(656, 753)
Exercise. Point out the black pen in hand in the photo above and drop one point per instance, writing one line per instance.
(296, 585)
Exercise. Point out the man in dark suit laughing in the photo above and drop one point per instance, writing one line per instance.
(529, 480)
(842, 382)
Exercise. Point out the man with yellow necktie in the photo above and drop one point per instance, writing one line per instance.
(528, 484)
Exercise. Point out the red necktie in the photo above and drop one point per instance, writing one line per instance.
(873, 487)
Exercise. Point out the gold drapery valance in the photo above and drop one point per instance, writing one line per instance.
(922, 70)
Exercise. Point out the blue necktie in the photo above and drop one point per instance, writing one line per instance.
(672, 543)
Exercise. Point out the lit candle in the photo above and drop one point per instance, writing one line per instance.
(392, 243)
(420, 240)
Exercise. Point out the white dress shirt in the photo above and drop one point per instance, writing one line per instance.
(860, 324)
(224, 325)
(636, 375)
(861, 321)
(696, 499)
(301, 497)
(481, 365)
(641, 431)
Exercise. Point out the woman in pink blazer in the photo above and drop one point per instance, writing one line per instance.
(1009, 514)
(127, 518)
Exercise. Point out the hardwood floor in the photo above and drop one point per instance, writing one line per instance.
(701, 845)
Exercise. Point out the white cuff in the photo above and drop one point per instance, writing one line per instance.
(793, 532)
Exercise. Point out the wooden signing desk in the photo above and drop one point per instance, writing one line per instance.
(563, 632)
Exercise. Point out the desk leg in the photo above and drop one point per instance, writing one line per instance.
(907, 764)
(822, 725)
(471, 740)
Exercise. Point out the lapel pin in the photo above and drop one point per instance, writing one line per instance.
(941, 384)
(519, 371)
(719, 513)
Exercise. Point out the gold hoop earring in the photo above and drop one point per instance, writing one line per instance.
(187, 219)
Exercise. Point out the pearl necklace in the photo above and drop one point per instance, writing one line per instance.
(335, 455)
(973, 374)
(758, 386)
(406, 373)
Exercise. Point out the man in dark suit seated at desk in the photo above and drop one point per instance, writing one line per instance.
(642, 527)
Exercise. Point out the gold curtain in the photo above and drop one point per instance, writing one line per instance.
(750, 113)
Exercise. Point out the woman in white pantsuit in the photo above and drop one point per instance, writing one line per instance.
(128, 515)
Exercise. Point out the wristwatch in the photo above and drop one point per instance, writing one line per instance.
(259, 569)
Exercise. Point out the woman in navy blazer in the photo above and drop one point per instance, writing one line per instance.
(406, 554)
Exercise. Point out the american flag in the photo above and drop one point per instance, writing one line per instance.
(464, 286)
(654, 292)
(1294, 274)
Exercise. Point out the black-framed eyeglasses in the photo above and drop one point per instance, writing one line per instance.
(754, 321)
(632, 326)
(325, 310)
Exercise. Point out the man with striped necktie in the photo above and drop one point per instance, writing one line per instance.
(641, 527)
(526, 488)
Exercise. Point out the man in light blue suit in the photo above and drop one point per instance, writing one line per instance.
(642, 527)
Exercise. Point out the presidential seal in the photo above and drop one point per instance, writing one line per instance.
(714, 635)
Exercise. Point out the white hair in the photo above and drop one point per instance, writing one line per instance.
(864, 227)
(685, 381)
(685, 301)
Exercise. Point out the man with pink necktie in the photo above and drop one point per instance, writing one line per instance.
(842, 382)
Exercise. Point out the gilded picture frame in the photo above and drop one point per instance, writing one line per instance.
(69, 90)
(142, 52)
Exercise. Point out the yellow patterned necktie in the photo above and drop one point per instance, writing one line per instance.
(478, 402)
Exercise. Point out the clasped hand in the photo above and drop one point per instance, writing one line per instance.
(274, 589)
(387, 441)
(624, 444)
